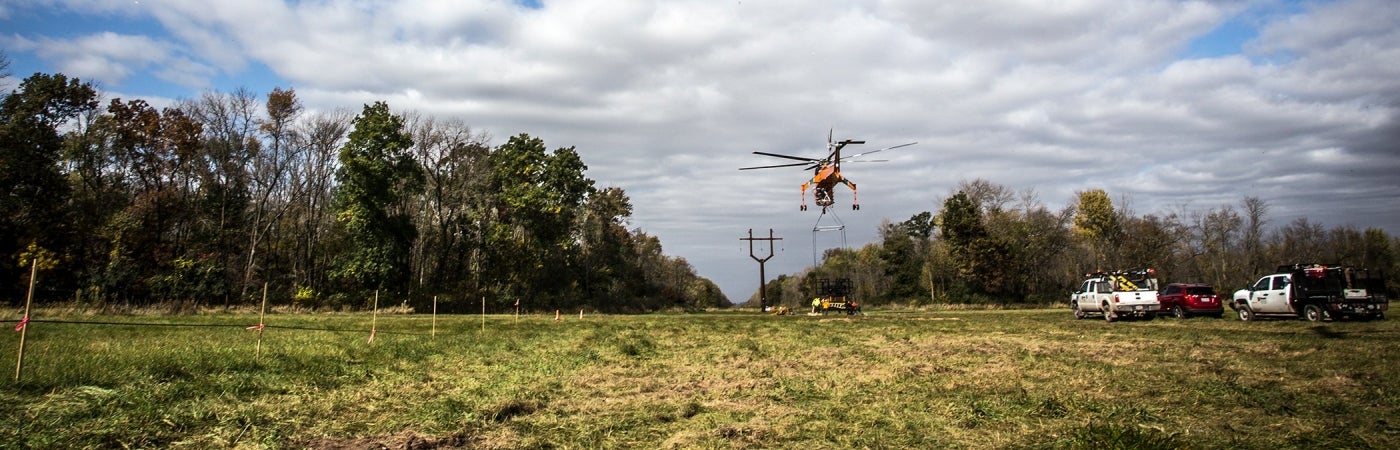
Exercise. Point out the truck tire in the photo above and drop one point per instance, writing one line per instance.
(1313, 313)
(1108, 313)
(1078, 313)
(1246, 314)
(1178, 312)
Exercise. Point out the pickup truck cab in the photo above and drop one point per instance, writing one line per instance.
(1313, 292)
(1116, 295)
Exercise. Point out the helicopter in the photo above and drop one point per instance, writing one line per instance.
(826, 172)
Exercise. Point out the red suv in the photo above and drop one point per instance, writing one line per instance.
(1185, 300)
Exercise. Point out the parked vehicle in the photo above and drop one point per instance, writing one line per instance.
(1185, 300)
(1314, 292)
(1117, 294)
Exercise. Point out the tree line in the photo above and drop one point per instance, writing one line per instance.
(207, 201)
(992, 245)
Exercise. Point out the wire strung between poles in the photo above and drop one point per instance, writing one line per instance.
(818, 227)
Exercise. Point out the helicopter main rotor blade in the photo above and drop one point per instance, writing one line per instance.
(775, 155)
(835, 147)
(876, 151)
(774, 166)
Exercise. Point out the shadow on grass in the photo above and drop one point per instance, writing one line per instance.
(1326, 332)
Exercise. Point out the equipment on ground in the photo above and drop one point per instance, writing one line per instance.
(833, 294)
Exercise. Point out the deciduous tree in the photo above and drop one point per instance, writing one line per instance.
(33, 192)
(1097, 224)
(376, 177)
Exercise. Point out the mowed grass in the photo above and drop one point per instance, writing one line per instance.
(952, 379)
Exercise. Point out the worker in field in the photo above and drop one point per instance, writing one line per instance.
(816, 303)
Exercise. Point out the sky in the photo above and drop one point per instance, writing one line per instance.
(1166, 105)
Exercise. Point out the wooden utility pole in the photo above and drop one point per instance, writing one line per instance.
(762, 279)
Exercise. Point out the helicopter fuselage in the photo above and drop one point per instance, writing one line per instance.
(823, 181)
(826, 172)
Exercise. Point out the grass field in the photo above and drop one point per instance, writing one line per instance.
(950, 379)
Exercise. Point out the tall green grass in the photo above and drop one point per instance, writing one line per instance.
(971, 379)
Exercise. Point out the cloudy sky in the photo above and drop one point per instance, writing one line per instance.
(1164, 104)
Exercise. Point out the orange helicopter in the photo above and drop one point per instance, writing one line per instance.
(826, 171)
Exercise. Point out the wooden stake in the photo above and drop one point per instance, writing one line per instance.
(262, 313)
(434, 332)
(374, 317)
(24, 323)
(483, 313)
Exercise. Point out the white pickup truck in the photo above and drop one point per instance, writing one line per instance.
(1314, 292)
(1118, 294)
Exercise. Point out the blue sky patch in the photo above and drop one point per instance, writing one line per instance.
(1231, 37)
(1227, 39)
